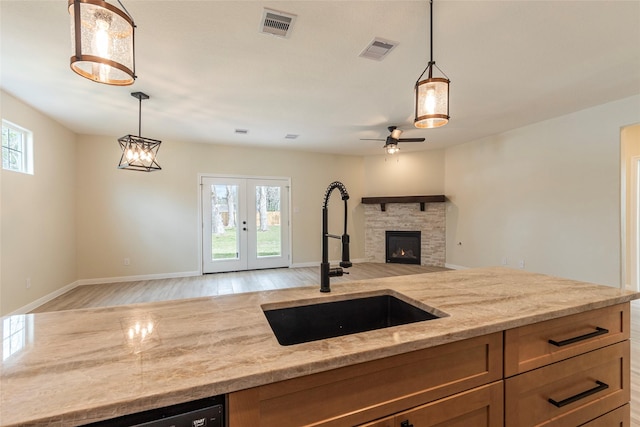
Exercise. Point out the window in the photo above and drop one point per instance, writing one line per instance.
(17, 148)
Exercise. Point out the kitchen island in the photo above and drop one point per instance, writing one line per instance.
(81, 366)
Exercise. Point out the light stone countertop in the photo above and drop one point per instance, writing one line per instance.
(80, 366)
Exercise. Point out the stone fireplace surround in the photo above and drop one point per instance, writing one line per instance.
(405, 215)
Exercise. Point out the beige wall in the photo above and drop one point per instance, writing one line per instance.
(38, 212)
(406, 174)
(152, 218)
(548, 194)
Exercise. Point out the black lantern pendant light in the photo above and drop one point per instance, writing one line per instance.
(102, 42)
(139, 153)
(432, 93)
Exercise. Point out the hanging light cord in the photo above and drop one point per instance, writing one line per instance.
(127, 12)
(140, 117)
(431, 63)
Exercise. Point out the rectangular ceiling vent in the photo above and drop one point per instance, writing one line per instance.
(378, 49)
(277, 23)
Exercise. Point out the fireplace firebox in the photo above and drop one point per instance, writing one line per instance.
(403, 247)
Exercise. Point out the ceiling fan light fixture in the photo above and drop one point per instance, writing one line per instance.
(139, 153)
(391, 148)
(102, 42)
(432, 93)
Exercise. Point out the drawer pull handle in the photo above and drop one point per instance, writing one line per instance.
(597, 332)
(601, 386)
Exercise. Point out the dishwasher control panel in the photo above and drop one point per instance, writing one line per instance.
(207, 412)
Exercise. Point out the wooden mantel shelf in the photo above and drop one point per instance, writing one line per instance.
(403, 199)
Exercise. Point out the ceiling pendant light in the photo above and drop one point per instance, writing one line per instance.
(102, 42)
(139, 153)
(432, 93)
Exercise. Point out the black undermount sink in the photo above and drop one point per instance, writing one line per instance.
(305, 323)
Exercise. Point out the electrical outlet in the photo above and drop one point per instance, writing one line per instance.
(127, 261)
(28, 284)
(505, 261)
(521, 263)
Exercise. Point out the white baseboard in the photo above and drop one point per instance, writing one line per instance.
(45, 299)
(317, 263)
(304, 264)
(455, 267)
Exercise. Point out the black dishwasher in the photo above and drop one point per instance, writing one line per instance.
(207, 412)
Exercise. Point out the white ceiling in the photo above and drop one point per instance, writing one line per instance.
(209, 71)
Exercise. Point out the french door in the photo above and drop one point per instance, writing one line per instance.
(245, 223)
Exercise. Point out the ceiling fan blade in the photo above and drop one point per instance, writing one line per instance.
(371, 139)
(411, 140)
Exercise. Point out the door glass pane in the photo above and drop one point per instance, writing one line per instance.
(269, 236)
(224, 216)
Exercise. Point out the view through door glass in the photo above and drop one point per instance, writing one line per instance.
(231, 240)
(268, 236)
(224, 224)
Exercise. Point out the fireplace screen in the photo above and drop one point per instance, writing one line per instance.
(403, 247)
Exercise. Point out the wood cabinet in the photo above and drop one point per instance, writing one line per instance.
(569, 371)
(364, 392)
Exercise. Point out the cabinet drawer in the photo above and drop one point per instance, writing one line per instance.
(584, 387)
(529, 347)
(620, 417)
(371, 390)
(479, 407)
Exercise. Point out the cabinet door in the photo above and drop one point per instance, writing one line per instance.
(571, 392)
(479, 407)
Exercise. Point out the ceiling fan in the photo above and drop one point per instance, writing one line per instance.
(391, 143)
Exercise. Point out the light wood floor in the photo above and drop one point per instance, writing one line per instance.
(111, 294)
(227, 283)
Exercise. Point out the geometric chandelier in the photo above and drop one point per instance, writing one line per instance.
(102, 42)
(432, 93)
(139, 153)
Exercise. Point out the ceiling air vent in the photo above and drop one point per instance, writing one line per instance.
(277, 23)
(378, 49)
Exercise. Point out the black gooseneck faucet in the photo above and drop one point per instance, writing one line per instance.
(325, 268)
